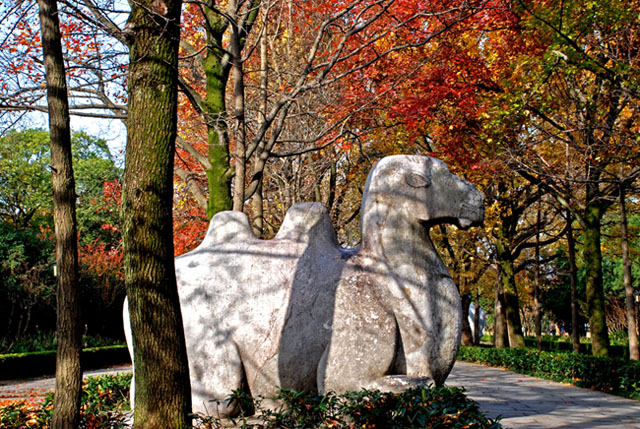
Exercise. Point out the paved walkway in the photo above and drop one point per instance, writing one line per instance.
(523, 401)
(528, 402)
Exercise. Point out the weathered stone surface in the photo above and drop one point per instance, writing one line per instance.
(301, 313)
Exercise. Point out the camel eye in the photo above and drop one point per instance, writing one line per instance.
(417, 180)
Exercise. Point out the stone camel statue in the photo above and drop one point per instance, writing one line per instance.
(299, 312)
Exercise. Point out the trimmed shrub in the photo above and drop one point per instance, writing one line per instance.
(43, 341)
(24, 365)
(606, 374)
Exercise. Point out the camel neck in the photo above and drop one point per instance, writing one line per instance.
(389, 235)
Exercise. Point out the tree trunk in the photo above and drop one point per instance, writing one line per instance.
(240, 164)
(536, 283)
(162, 396)
(333, 177)
(500, 334)
(593, 265)
(258, 198)
(476, 320)
(628, 281)
(509, 290)
(573, 277)
(217, 66)
(216, 70)
(66, 404)
(467, 337)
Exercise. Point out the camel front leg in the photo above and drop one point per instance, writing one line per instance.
(363, 341)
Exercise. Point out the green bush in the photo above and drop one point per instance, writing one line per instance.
(24, 365)
(104, 399)
(619, 338)
(16, 415)
(42, 341)
(562, 343)
(606, 374)
(426, 407)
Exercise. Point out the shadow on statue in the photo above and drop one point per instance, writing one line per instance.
(301, 313)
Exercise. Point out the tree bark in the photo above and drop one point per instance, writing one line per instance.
(573, 278)
(593, 265)
(509, 290)
(240, 162)
(536, 283)
(476, 320)
(162, 396)
(216, 69)
(66, 406)
(258, 198)
(500, 334)
(217, 66)
(628, 281)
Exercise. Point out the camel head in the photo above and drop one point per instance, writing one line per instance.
(424, 189)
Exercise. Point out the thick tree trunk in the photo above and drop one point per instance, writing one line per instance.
(500, 334)
(593, 275)
(573, 278)
(66, 404)
(628, 281)
(509, 291)
(162, 396)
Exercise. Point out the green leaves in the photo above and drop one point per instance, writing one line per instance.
(25, 179)
(432, 407)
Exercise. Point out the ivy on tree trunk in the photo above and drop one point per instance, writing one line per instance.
(216, 67)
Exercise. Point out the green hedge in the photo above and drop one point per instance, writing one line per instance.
(567, 346)
(611, 374)
(34, 364)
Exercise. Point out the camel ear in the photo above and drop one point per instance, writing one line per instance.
(417, 180)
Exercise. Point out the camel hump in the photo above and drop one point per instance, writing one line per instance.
(228, 226)
(306, 222)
